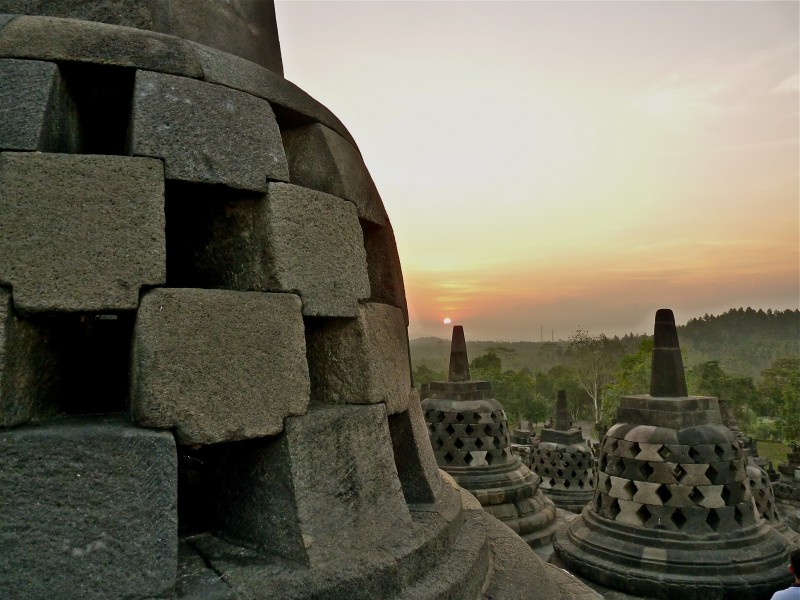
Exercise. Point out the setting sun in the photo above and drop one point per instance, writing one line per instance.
(447, 320)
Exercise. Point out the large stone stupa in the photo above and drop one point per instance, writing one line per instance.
(205, 389)
(470, 438)
(673, 514)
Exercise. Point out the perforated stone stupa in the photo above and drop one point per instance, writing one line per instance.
(564, 461)
(469, 434)
(205, 389)
(673, 514)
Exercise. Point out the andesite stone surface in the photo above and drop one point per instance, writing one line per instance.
(362, 360)
(217, 365)
(206, 133)
(88, 510)
(80, 232)
(316, 250)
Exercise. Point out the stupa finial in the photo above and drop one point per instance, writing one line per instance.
(562, 414)
(667, 378)
(459, 363)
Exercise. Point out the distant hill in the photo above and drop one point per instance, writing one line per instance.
(744, 341)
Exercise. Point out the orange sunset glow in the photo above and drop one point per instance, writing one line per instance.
(554, 165)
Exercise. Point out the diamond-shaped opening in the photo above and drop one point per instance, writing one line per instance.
(459, 443)
(438, 416)
(678, 518)
(552, 482)
(479, 443)
(573, 474)
(635, 449)
(450, 429)
(607, 485)
(614, 446)
(448, 458)
(581, 483)
(719, 451)
(664, 452)
(438, 443)
(459, 417)
(468, 429)
(567, 484)
(694, 454)
(713, 519)
(489, 457)
(476, 417)
(468, 458)
(643, 514)
(488, 431)
(603, 462)
(738, 515)
(502, 427)
(696, 496)
(613, 508)
(497, 442)
(679, 472)
(711, 473)
(646, 469)
(630, 488)
(560, 472)
(663, 493)
(618, 466)
(726, 495)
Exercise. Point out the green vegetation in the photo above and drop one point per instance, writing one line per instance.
(749, 359)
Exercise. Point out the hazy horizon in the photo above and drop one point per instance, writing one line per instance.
(564, 165)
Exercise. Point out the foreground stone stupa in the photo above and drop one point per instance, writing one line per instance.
(564, 461)
(673, 516)
(205, 389)
(469, 434)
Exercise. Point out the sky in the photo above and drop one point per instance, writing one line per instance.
(549, 166)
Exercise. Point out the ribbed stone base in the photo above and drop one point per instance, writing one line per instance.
(744, 565)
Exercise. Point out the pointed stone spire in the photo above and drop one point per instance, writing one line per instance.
(667, 378)
(562, 414)
(459, 363)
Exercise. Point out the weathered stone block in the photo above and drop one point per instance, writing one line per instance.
(206, 133)
(88, 510)
(316, 250)
(30, 376)
(362, 360)
(326, 486)
(413, 455)
(80, 232)
(68, 40)
(35, 109)
(321, 159)
(383, 265)
(246, 28)
(217, 365)
(292, 105)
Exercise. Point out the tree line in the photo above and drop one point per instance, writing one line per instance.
(597, 370)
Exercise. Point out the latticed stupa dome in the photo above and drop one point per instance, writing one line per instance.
(564, 462)
(673, 513)
(205, 388)
(469, 434)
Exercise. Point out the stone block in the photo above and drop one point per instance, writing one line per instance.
(35, 109)
(293, 106)
(246, 28)
(321, 159)
(325, 487)
(413, 456)
(30, 377)
(69, 40)
(206, 133)
(80, 233)
(383, 264)
(217, 365)
(316, 250)
(88, 510)
(362, 360)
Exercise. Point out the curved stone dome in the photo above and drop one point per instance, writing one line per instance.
(204, 379)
